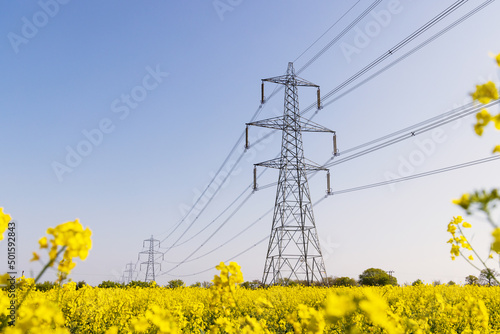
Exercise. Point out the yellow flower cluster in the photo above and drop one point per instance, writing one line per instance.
(458, 241)
(39, 316)
(495, 245)
(159, 318)
(69, 238)
(484, 94)
(4, 222)
(225, 285)
(483, 119)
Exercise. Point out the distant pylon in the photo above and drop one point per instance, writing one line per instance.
(294, 252)
(128, 273)
(150, 269)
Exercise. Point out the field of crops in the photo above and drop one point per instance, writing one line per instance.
(221, 309)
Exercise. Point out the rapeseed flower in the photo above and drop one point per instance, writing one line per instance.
(495, 246)
(4, 222)
(485, 93)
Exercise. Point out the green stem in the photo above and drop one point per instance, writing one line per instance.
(48, 265)
(490, 220)
(477, 255)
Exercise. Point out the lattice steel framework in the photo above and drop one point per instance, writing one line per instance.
(151, 252)
(294, 251)
(128, 273)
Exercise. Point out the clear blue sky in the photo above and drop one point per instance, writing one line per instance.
(169, 86)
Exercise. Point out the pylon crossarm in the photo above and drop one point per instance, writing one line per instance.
(277, 123)
(290, 79)
(279, 164)
(271, 123)
(312, 166)
(309, 126)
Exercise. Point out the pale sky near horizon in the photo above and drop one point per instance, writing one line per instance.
(119, 113)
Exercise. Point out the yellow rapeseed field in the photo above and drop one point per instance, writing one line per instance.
(219, 309)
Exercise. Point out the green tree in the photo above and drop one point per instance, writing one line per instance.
(139, 284)
(206, 284)
(251, 284)
(80, 284)
(45, 286)
(417, 282)
(376, 277)
(471, 280)
(110, 284)
(175, 283)
(341, 281)
(488, 277)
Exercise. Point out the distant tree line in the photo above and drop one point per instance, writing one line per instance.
(369, 277)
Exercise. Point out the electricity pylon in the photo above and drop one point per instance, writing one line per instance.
(128, 273)
(150, 269)
(294, 251)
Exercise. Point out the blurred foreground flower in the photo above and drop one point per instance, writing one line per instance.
(69, 239)
(4, 222)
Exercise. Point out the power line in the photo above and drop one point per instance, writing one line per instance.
(412, 51)
(407, 133)
(256, 114)
(205, 206)
(462, 112)
(209, 237)
(401, 44)
(227, 241)
(227, 260)
(364, 81)
(339, 36)
(393, 50)
(373, 185)
(216, 218)
(416, 176)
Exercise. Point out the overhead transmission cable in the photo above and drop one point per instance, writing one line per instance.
(216, 218)
(223, 212)
(412, 51)
(447, 117)
(210, 236)
(227, 241)
(343, 191)
(401, 44)
(405, 133)
(407, 40)
(338, 37)
(416, 176)
(465, 112)
(205, 206)
(408, 133)
(396, 48)
(366, 80)
(275, 91)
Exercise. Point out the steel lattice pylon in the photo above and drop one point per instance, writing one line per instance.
(150, 264)
(128, 273)
(294, 251)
